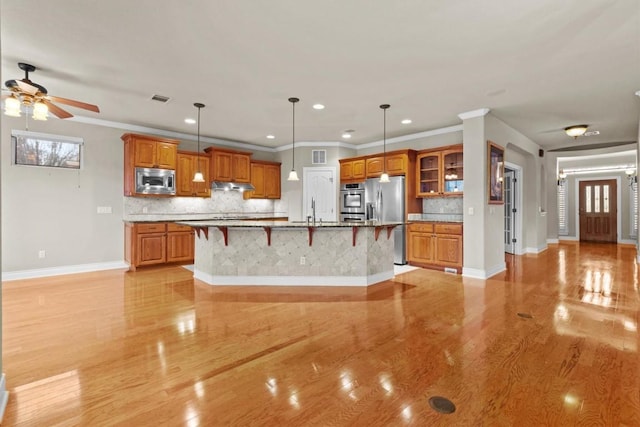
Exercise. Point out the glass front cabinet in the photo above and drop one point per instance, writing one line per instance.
(440, 173)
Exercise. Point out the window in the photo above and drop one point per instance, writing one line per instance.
(39, 149)
(563, 226)
(634, 209)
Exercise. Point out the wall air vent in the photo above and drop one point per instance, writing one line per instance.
(160, 98)
(319, 157)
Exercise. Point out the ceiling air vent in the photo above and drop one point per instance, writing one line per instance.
(160, 98)
(319, 157)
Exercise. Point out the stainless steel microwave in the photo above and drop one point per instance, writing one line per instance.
(155, 181)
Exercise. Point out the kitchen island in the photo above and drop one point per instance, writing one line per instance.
(293, 253)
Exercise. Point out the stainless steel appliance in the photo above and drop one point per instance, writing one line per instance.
(385, 202)
(155, 181)
(352, 199)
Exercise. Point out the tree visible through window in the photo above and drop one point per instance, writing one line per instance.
(33, 149)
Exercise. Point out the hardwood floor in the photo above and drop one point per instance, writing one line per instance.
(152, 347)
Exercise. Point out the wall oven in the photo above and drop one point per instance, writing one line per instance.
(352, 199)
(155, 181)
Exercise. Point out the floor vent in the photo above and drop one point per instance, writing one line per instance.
(319, 157)
(450, 270)
(160, 98)
(442, 405)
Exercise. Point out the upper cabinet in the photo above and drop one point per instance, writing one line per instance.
(151, 152)
(396, 164)
(358, 169)
(440, 172)
(265, 178)
(229, 165)
(143, 151)
(188, 163)
(352, 170)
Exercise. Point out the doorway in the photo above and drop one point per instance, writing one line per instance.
(320, 186)
(598, 211)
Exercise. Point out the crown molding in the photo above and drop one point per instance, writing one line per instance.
(474, 113)
(411, 137)
(245, 145)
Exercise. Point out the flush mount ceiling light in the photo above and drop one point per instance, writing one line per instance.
(197, 177)
(293, 175)
(576, 130)
(385, 176)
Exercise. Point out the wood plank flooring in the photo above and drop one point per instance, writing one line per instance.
(156, 348)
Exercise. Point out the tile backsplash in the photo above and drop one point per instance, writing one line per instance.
(221, 202)
(439, 205)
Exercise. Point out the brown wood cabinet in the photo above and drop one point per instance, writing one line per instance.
(435, 245)
(352, 170)
(440, 172)
(157, 243)
(265, 177)
(187, 167)
(143, 151)
(396, 165)
(229, 165)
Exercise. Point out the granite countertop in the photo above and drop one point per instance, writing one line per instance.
(436, 217)
(174, 217)
(286, 224)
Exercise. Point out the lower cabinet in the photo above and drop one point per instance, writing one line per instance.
(435, 245)
(157, 243)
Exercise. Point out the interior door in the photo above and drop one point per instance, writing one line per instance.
(510, 211)
(598, 211)
(320, 185)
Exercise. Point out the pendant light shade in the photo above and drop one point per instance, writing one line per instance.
(198, 177)
(293, 175)
(385, 176)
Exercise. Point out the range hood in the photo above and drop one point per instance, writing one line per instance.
(231, 186)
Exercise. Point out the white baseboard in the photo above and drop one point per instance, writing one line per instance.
(66, 269)
(570, 238)
(4, 396)
(535, 250)
(292, 280)
(476, 273)
(553, 241)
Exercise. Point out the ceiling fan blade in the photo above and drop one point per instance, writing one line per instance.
(27, 87)
(77, 104)
(57, 111)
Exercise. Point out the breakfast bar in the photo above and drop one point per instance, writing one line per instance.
(283, 253)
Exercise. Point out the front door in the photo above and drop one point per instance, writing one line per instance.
(598, 211)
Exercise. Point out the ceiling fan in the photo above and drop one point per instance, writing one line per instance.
(30, 94)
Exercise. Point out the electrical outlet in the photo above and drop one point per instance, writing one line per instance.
(104, 209)
(303, 260)
(145, 209)
(42, 253)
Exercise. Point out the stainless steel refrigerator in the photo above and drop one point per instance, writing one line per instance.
(385, 202)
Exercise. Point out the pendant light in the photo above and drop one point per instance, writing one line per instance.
(385, 176)
(293, 175)
(198, 177)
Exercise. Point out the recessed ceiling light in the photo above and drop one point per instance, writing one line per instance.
(270, 137)
(638, 93)
(318, 107)
(190, 121)
(592, 133)
(346, 135)
(406, 121)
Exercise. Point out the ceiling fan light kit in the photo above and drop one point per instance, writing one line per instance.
(34, 96)
(576, 130)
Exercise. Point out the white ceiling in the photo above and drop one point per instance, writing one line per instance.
(539, 65)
